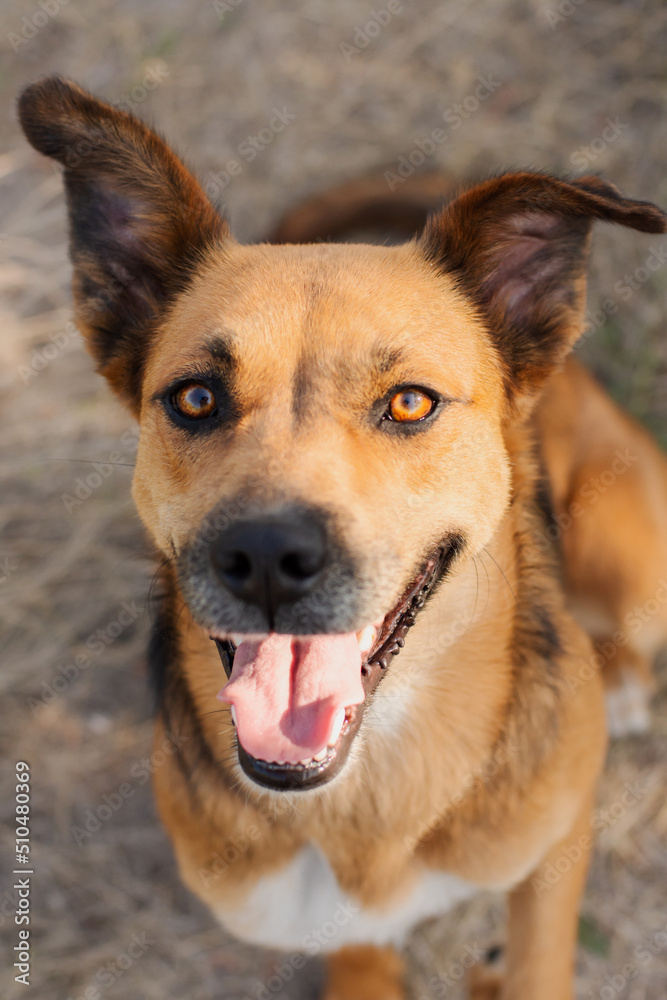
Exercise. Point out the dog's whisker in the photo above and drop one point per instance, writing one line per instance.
(479, 558)
(91, 461)
(501, 571)
(488, 578)
(472, 613)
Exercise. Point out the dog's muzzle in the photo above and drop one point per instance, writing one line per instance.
(390, 639)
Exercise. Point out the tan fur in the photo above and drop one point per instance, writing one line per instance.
(609, 482)
(366, 974)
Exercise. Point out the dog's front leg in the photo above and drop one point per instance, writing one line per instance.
(543, 920)
(364, 972)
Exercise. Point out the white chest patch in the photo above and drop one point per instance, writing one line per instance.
(302, 908)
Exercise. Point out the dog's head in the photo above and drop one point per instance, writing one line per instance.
(322, 426)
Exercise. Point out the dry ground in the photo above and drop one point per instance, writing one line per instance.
(66, 573)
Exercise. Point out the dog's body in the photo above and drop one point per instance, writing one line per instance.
(342, 442)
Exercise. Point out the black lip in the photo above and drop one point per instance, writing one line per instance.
(396, 625)
(300, 777)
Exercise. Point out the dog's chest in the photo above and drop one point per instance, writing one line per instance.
(302, 908)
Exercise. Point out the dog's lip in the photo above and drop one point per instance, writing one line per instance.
(281, 776)
(389, 638)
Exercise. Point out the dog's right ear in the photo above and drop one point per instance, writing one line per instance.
(517, 246)
(139, 221)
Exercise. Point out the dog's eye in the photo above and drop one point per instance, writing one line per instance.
(194, 401)
(409, 405)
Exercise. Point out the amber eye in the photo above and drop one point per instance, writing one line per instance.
(409, 405)
(194, 401)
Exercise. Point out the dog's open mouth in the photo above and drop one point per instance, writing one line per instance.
(297, 701)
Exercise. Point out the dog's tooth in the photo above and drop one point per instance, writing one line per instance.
(233, 711)
(236, 637)
(336, 727)
(321, 755)
(306, 761)
(366, 638)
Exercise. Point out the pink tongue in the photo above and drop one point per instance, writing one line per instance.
(287, 691)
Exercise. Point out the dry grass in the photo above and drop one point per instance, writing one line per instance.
(70, 572)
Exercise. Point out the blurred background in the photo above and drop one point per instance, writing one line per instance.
(568, 85)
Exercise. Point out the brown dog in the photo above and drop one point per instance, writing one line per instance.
(341, 456)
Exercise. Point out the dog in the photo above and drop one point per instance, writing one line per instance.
(355, 461)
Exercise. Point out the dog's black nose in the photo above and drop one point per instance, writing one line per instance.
(270, 562)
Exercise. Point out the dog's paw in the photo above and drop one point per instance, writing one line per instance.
(627, 706)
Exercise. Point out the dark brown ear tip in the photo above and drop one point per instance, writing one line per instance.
(641, 215)
(654, 221)
(52, 94)
(43, 109)
(55, 111)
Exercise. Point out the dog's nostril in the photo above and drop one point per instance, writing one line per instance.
(236, 566)
(300, 565)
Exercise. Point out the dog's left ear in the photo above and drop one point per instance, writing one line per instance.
(139, 221)
(517, 246)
